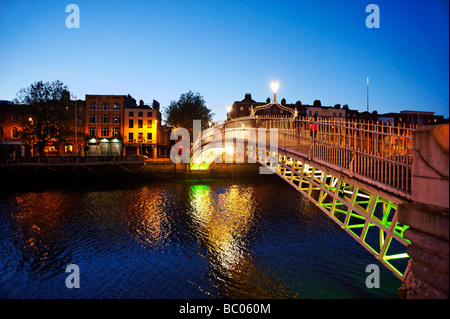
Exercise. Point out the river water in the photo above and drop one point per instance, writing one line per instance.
(254, 238)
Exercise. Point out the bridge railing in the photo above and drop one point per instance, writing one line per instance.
(372, 151)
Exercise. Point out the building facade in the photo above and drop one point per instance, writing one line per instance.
(142, 128)
(11, 144)
(104, 125)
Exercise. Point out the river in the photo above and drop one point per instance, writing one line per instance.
(252, 238)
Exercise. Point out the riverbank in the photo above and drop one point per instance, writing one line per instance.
(20, 177)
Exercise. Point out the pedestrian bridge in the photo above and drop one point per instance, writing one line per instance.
(356, 172)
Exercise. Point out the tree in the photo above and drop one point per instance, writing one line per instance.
(190, 106)
(44, 116)
(317, 103)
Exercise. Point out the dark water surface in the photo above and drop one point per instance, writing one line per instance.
(185, 239)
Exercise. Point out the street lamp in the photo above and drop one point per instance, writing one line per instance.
(274, 85)
(156, 139)
(229, 111)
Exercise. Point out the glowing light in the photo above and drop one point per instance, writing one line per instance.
(274, 86)
(228, 108)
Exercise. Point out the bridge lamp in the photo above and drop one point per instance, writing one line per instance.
(274, 85)
(228, 108)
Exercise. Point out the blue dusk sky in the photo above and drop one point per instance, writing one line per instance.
(159, 49)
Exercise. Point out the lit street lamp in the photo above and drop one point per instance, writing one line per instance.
(274, 87)
(229, 111)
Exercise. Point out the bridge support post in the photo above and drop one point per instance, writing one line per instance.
(428, 216)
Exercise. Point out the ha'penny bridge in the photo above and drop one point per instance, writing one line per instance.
(370, 178)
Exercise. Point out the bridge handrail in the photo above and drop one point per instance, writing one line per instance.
(379, 152)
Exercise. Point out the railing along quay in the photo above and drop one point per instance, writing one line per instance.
(72, 160)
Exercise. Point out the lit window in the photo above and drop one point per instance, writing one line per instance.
(15, 133)
(116, 106)
(116, 118)
(68, 148)
(116, 131)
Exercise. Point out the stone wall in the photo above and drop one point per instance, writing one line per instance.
(427, 216)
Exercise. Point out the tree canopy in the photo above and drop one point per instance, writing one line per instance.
(190, 106)
(43, 110)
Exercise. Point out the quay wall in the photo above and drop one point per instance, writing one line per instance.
(427, 216)
(22, 176)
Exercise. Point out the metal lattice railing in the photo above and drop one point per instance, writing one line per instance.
(374, 152)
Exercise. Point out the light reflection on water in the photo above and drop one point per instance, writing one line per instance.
(191, 239)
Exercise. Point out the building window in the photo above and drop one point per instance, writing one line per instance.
(105, 118)
(116, 131)
(130, 137)
(140, 124)
(105, 106)
(149, 123)
(92, 132)
(116, 118)
(14, 117)
(104, 132)
(149, 114)
(93, 106)
(116, 106)
(130, 123)
(131, 113)
(140, 114)
(92, 118)
(68, 148)
(149, 136)
(14, 133)
(140, 137)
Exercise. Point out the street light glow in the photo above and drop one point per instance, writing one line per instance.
(274, 86)
(228, 108)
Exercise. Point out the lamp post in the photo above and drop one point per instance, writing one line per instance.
(156, 139)
(274, 85)
(229, 111)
